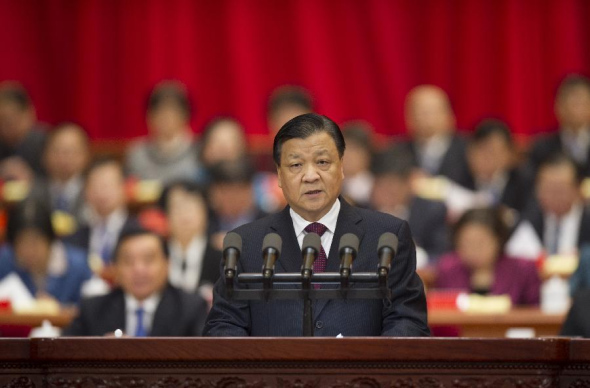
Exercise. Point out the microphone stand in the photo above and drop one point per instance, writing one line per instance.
(307, 308)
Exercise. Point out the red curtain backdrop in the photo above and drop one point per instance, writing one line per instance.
(94, 61)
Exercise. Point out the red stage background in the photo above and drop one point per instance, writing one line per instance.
(94, 61)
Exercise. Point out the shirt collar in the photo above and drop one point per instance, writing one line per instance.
(149, 304)
(329, 219)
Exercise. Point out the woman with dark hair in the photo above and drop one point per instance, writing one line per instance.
(46, 266)
(479, 264)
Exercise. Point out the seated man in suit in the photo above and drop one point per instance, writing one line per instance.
(577, 321)
(144, 304)
(434, 144)
(558, 222)
(308, 154)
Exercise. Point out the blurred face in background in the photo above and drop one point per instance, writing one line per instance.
(67, 153)
(105, 189)
(489, 157)
(557, 189)
(15, 122)
(231, 200)
(32, 249)
(225, 141)
(428, 113)
(166, 121)
(286, 112)
(356, 159)
(187, 214)
(573, 108)
(141, 266)
(391, 193)
(477, 246)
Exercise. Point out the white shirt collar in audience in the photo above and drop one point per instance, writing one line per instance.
(58, 262)
(194, 256)
(569, 229)
(149, 305)
(432, 151)
(99, 236)
(330, 220)
(576, 142)
(70, 189)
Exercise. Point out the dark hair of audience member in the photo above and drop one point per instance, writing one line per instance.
(15, 93)
(571, 82)
(492, 127)
(559, 159)
(393, 162)
(189, 187)
(137, 231)
(170, 93)
(358, 133)
(303, 126)
(29, 214)
(287, 96)
(238, 171)
(491, 218)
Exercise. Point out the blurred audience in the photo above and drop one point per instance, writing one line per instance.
(194, 262)
(572, 109)
(558, 222)
(47, 267)
(106, 212)
(20, 133)
(169, 152)
(358, 179)
(144, 304)
(285, 103)
(577, 321)
(392, 193)
(65, 158)
(492, 166)
(580, 279)
(479, 264)
(434, 144)
(231, 195)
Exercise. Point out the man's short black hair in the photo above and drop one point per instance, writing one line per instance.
(558, 159)
(232, 171)
(15, 93)
(135, 231)
(303, 126)
(193, 188)
(491, 127)
(170, 92)
(287, 96)
(30, 214)
(571, 82)
(393, 162)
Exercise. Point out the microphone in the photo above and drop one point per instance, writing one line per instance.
(386, 249)
(232, 247)
(271, 249)
(312, 244)
(349, 246)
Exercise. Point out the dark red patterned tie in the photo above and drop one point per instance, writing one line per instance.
(321, 262)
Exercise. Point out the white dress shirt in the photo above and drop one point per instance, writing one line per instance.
(149, 310)
(569, 229)
(329, 220)
(194, 256)
(106, 231)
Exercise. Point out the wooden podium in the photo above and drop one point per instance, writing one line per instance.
(294, 362)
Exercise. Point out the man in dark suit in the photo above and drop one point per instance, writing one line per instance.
(577, 322)
(434, 145)
(572, 109)
(144, 304)
(308, 154)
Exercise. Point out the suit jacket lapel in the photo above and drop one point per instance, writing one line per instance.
(161, 324)
(348, 222)
(290, 259)
(116, 318)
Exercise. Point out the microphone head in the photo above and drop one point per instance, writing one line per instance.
(232, 240)
(312, 240)
(272, 240)
(349, 240)
(389, 240)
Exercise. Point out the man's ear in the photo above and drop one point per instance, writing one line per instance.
(279, 176)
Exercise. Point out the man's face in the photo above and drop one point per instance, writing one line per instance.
(428, 113)
(489, 157)
(166, 121)
(14, 122)
(105, 189)
(573, 109)
(141, 266)
(557, 189)
(311, 175)
(66, 155)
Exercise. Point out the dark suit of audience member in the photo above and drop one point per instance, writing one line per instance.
(492, 168)
(144, 304)
(392, 194)
(572, 109)
(580, 279)
(20, 133)
(577, 321)
(559, 218)
(308, 153)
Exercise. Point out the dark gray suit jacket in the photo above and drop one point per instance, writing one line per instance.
(178, 314)
(404, 316)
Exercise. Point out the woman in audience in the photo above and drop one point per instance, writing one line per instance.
(479, 264)
(47, 267)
